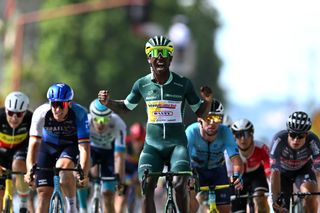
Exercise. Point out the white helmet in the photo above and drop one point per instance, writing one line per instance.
(242, 125)
(16, 102)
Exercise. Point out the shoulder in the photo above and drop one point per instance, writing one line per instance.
(118, 121)
(192, 128)
(79, 109)
(2, 112)
(278, 139)
(42, 109)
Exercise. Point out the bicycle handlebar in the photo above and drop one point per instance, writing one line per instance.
(56, 170)
(215, 187)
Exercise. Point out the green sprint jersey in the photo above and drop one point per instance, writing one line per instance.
(165, 106)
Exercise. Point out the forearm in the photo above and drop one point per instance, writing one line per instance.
(117, 106)
(84, 150)
(32, 153)
(120, 164)
(237, 164)
(275, 184)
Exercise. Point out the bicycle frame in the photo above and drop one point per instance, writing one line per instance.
(7, 204)
(249, 198)
(57, 200)
(212, 195)
(296, 205)
(170, 205)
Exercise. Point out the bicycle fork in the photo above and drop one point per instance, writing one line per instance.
(212, 202)
(7, 197)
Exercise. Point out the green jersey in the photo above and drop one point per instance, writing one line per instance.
(165, 106)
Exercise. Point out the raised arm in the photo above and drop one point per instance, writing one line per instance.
(207, 96)
(117, 106)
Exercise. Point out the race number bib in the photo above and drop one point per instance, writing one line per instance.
(164, 111)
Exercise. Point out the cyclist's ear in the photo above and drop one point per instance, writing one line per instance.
(200, 121)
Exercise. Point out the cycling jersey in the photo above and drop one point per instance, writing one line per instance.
(209, 155)
(74, 129)
(11, 138)
(165, 104)
(113, 136)
(284, 158)
(259, 157)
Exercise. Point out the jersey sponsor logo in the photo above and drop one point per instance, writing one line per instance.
(169, 106)
(42, 182)
(163, 113)
(173, 96)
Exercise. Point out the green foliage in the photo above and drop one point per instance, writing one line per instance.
(99, 50)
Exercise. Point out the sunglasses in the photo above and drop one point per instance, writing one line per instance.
(101, 120)
(156, 52)
(295, 135)
(19, 114)
(60, 104)
(240, 134)
(214, 118)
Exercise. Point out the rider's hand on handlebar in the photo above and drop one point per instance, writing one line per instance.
(237, 181)
(83, 182)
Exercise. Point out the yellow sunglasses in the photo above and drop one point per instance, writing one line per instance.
(214, 118)
(101, 120)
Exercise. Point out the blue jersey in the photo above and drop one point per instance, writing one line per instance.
(74, 129)
(210, 155)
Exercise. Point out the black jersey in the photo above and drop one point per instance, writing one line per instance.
(284, 158)
(12, 138)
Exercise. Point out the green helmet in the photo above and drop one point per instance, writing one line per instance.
(158, 42)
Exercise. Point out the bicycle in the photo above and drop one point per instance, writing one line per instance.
(56, 200)
(296, 205)
(212, 195)
(7, 204)
(96, 206)
(170, 206)
(249, 198)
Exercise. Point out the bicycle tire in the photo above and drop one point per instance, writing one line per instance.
(96, 207)
(8, 207)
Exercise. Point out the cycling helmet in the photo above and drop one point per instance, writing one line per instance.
(227, 120)
(216, 107)
(60, 92)
(137, 131)
(16, 102)
(242, 125)
(98, 109)
(158, 42)
(299, 122)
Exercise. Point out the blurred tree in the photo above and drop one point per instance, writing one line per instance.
(99, 50)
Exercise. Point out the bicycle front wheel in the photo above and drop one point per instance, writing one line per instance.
(96, 207)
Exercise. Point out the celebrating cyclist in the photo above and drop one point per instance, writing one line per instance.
(294, 153)
(255, 156)
(15, 121)
(207, 140)
(165, 94)
(135, 142)
(107, 141)
(58, 134)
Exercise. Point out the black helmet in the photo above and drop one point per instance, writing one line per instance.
(216, 107)
(299, 122)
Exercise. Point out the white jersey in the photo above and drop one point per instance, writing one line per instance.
(113, 136)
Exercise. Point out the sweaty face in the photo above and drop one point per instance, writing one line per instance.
(60, 110)
(296, 141)
(160, 65)
(14, 118)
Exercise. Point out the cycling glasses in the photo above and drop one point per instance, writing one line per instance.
(101, 120)
(159, 51)
(240, 134)
(298, 136)
(214, 118)
(19, 114)
(60, 104)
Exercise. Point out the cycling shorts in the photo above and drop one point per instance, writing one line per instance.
(8, 155)
(154, 159)
(252, 182)
(48, 155)
(215, 176)
(288, 178)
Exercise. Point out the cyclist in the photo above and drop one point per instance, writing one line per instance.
(295, 152)
(134, 141)
(165, 94)
(107, 141)
(58, 134)
(255, 156)
(207, 140)
(15, 121)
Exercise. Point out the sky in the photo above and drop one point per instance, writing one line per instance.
(270, 51)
